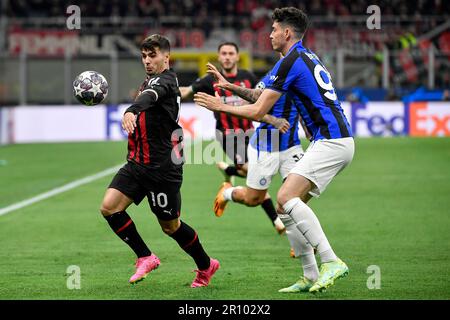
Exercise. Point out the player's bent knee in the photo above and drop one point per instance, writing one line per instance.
(114, 201)
(283, 197)
(106, 210)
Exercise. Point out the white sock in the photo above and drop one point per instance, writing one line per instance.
(227, 193)
(301, 248)
(308, 224)
(310, 269)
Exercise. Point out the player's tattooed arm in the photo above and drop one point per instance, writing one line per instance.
(250, 95)
(255, 111)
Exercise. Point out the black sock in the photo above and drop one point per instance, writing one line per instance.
(187, 239)
(233, 171)
(124, 227)
(268, 207)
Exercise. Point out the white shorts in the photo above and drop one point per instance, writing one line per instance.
(323, 160)
(262, 168)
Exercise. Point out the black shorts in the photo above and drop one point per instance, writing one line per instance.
(137, 182)
(235, 145)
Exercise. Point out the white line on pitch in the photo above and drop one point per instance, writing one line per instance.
(54, 192)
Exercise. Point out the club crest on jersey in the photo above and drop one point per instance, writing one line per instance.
(263, 181)
(153, 82)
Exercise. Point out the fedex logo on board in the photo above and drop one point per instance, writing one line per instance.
(367, 120)
(379, 119)
(417, 119)
(429, 119)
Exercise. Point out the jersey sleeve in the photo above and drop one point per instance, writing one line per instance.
(204, 84)
(284, 73)
(157, 87)
(264, 82)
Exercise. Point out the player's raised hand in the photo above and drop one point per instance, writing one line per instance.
(129, 122)
(210, 102)
(221, 81)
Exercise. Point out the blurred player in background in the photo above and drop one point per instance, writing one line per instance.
(302, 75)
(232, 132)
(154, 139)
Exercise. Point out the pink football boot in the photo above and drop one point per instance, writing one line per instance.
(204, 276)
(144, 266)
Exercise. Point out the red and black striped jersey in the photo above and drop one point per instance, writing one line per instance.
(226, 121)
(156, 140)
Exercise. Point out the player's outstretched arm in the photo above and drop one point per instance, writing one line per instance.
(255, 111)
(250, 95)
(186, 93)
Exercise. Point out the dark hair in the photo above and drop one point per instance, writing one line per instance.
(156, 40)
(292, 17)
(229, 43)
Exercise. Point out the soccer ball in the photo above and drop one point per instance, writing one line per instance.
(90, 88)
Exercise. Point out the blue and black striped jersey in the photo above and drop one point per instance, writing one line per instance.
(303, 76)
(263, 138)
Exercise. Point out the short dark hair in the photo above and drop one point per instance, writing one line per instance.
(228, 43)
(156, 40)
(292, 17)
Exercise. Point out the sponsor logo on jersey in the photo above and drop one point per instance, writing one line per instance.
(153, 82)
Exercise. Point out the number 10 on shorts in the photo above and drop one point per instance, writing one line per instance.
(159, 200)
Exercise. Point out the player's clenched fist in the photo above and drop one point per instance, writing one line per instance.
(129, 122)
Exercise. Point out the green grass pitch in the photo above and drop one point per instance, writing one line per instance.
(389, 208)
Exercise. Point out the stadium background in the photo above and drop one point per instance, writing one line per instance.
(394, 84)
